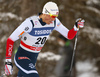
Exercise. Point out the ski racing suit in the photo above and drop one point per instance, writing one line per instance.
(33, 33)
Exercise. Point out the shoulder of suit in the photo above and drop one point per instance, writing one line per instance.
(35, 17)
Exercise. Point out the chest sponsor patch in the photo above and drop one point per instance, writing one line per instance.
(41, 31)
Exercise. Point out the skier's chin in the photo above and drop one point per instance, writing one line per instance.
(49, 22)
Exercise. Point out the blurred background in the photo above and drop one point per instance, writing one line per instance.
(87, 58)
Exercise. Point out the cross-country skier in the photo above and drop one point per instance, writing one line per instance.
(34, 32)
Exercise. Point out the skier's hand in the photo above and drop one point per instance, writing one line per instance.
(8, 67)
(79, 24)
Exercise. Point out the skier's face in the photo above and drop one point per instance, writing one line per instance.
(48, 19)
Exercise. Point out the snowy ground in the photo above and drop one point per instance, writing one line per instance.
(84, 68)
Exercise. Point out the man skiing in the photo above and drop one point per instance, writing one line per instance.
(33, 33)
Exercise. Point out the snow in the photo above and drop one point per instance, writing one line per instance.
(98, 42)
(92, 2)
(48, 56)
(9, 15)
(3, 39)
(1, 0)
(93, 33)
(51, 38)
(93, 9)
(61, 7)
(86, 68)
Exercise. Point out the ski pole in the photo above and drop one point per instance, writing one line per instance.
(73, 55)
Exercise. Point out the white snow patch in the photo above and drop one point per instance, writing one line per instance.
(89, 2)
(98, 42)
(51, 38)
(49, 56)
(10, 15)
(93, 33)
(4, 38)
(86, 68)
(93, 9)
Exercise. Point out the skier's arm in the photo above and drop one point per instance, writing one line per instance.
(78, 24)
(69, 34)
(24, 27)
